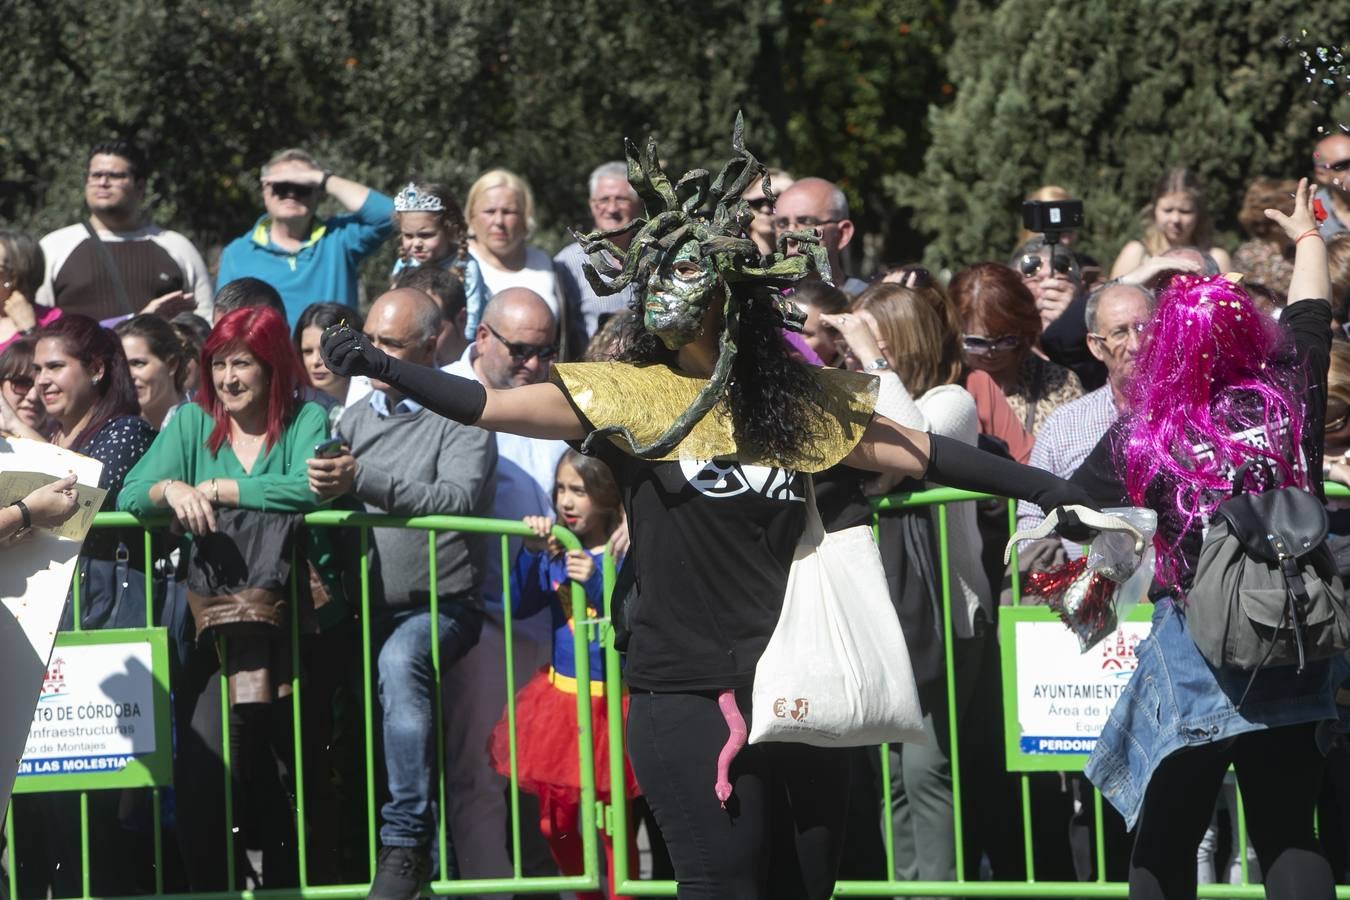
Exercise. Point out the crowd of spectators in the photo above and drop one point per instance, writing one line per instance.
(215, 406)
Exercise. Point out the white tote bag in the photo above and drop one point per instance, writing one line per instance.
(836, 672)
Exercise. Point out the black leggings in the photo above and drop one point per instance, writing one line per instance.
(1279, 772)
(673, 742)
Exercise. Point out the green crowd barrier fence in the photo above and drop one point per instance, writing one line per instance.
(152, 772)
(157, 775)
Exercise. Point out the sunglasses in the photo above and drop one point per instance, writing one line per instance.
(1031, 264)
(22, 383)
(291, 189)
(522, 353)
(989, 346)
(762, 205)
(1339, 166)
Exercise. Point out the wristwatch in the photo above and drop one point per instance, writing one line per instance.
(323, 182)
(877, 365)
(25, 515)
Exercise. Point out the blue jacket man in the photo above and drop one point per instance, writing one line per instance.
(308, 260)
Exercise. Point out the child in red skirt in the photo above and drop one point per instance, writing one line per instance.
(587, 502)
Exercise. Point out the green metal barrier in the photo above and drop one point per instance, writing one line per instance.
(589, 880)
(612, 818)
(617, 814)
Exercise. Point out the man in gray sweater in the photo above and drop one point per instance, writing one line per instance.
(404, 460)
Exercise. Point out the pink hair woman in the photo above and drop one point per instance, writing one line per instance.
(1217, 384)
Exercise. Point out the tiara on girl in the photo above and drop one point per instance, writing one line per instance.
(410, 199)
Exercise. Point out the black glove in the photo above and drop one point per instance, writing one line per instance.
(348, 352)
(1070, 528)
(960, 465)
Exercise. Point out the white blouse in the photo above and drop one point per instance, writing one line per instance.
(947, 410)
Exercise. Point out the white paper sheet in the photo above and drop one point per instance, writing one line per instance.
(35, 573)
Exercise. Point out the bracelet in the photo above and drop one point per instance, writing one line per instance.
(215, 493)
(164, 492)
(24, 514)
(1309, 233)
(323, 182)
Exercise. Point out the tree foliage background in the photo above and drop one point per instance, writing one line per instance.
(935, 117)
(385, 90)
(1102, 97)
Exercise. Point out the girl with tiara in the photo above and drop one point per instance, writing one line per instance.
(431, 231)
(587, 501)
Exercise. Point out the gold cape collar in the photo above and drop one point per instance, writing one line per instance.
(646, 399)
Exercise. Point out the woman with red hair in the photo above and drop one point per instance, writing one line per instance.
(1000, 328)
(243, 444)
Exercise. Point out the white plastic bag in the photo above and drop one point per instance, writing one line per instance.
(836, 672)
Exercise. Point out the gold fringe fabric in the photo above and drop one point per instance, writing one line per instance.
(646, 399)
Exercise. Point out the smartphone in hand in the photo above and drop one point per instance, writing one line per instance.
(328, 449)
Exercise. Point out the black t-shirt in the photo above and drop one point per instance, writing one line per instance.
(712, 543)
(1308, 325)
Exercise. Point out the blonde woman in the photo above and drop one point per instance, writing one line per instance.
(500, 208)
(1176, 216)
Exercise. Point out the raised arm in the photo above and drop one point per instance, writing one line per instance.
(534, 410)
(1311, 279)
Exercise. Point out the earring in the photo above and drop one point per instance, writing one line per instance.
(96, 379)
(8, 285)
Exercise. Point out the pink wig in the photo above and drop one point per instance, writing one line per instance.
(1211, 366)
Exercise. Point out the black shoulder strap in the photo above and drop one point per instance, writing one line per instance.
(114, 274)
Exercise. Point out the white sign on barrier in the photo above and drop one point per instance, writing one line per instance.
(1063, 696)
(96, 712)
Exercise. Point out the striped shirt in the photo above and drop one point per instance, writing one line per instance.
(1064, 441)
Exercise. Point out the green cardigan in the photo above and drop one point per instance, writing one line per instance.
(279, 481)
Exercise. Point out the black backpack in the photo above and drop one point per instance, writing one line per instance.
(1266, 590)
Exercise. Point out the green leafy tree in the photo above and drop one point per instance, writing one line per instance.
(858, 79)
(387, 90)
(1102, 97)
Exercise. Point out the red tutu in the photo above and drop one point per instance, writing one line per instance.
(546, 741)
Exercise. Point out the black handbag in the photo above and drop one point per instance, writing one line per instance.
(112, 593)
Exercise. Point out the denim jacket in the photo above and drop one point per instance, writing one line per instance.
(1176, 699)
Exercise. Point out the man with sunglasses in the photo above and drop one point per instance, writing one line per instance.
(305, 258)
(1331, 170)
(516, 344)
(115, 263)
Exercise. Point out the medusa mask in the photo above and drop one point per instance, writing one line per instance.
(691, 251)
(678, 295)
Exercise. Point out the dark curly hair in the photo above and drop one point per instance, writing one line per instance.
(773, 398)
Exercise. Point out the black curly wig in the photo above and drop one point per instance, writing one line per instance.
(772, 397)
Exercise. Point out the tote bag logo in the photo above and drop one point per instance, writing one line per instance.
(800, 709)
